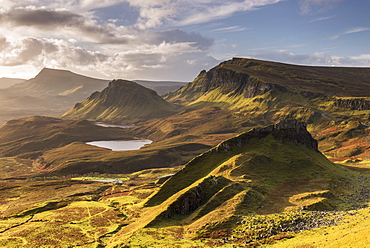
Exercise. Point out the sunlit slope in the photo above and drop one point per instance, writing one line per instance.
(240, 175)
(250, 77)
(257, 160)
(270, 90)
(122, 100)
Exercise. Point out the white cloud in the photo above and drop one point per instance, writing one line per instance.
(202, 13)
(147, 61)
(230, 29)
(317, 58)
(351, 31)
(322, 19)
(309, 6)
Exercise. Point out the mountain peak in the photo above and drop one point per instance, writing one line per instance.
(122, 99)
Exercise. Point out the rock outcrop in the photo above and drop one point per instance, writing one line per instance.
(228, 81)
(285, 131)
(353, 103)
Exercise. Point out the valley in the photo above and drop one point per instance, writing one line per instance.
(249, 154)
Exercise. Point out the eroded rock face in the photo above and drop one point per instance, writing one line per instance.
(239, 83)
(228, 82)
(285, 131)
(353, 103)
(187, 203)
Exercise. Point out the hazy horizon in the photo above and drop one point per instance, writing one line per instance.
(175, 40)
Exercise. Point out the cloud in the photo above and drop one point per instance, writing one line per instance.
(317, 58)
(351, 31)
(322, 19)
(172, 36)
(309, 6)
(230, 29)
(181, 13)
(221, 9)
(45, 52)
(147, 61)
(59, 21)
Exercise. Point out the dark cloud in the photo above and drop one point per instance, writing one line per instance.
(54, 20)
(178, 36)
(39, 51)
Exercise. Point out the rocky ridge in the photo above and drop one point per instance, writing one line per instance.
(285, 131)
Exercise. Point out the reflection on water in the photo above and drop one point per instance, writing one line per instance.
(111, 125)
(121, 145)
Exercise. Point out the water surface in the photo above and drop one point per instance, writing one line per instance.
(111, 125)
(120, 145)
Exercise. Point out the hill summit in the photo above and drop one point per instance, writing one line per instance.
(60, 83)
(122, 99)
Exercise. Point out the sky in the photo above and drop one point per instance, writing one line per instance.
(176, 39)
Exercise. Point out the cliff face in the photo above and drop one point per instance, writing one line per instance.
(234, 82)
(228, 81)
(251, 78)
(284, 131)
(353, 103)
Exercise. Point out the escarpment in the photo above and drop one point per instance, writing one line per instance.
(353, 103)
(285, 131)
(228, 81)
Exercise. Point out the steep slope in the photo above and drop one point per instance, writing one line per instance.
(271, 91)
(261, 149)
(258, 93)
(240, 175)
(255, 77)
(122, 100)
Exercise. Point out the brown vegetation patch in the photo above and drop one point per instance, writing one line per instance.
(281, 197)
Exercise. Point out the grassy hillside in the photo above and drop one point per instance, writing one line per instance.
(260, 187)
(122, 100)
(251, 77)
(30, 136)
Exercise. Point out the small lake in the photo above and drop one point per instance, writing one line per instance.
(111, 125)
(120, 145)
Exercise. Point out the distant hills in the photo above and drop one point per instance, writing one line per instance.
(7, 82)
(161, 87)
(52, 92)
(122, 100)
(231, 98)
(241, 156)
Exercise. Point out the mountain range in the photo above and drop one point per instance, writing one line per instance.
(241, 156)
(52, 92)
